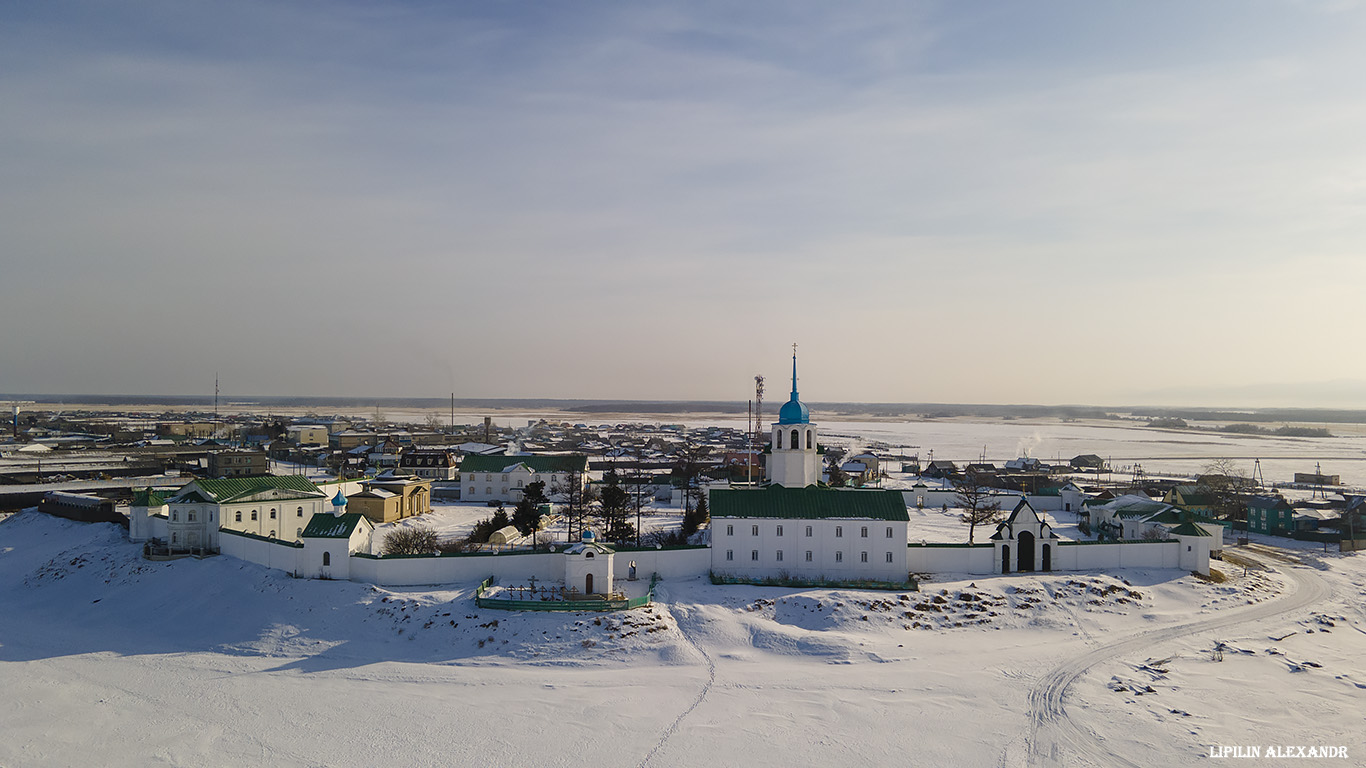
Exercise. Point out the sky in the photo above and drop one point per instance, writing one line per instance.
(999, 202)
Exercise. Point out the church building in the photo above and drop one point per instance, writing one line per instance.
(797, 528)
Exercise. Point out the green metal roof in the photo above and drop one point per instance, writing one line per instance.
(146, 497)
(328, 526)
(572, 462)
(229, 489)
(1192, 495)
(810, 503)
(1190, 529)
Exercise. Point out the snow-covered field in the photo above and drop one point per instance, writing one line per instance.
(111, 660)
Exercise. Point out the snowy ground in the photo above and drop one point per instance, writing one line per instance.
(220, 662)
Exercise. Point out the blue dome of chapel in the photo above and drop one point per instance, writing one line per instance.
(794, 411)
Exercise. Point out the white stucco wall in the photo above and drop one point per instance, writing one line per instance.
(928, 558)
(836, 548)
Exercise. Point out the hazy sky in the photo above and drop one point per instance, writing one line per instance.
(1046, 202)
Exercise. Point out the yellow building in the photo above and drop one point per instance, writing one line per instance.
(392, 496)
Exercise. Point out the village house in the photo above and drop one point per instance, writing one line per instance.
(1191, 498)
(430, 463)
(239, 463)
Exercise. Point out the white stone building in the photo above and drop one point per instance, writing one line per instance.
(502, 478)
(270, 506)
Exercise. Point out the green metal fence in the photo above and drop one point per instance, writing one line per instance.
(505, 604)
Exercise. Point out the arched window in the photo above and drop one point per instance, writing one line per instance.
(809, 444)
(300, 513)
(272, 534)
(299, 532)
(272, 514)
(796, 439)
(327, 558)
(588, 555)
(175, 516)
(173, 538)
(253, 514)
(777, 438)
(239, 516)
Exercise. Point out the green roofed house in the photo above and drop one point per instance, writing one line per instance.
(270, 506)
(1191, 498)
(813, 533)
(502, 478)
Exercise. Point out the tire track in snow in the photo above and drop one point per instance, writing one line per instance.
(706, 688)
(1054, 735)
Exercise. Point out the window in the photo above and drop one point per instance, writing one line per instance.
(889, 531)
(505, 477)
(754, 554)
(796, 439)
(253, 514)
(175, 516)
(889, 557)
(272, 514)
(780, 530)
(173, 538)
(730, 530)
(327, 558)
(588, 555)
(754, 530)
(211, 515)
(839, 531)
(190, 516)
(488, 478)
(808, 530)
(298, 532)
(238, 516)
(730, 554)
(808, 440)
(839, 557)
(863, 557)
(272, 534)
(864, 532)
(300, 513)
(808, 555)
(780, 555)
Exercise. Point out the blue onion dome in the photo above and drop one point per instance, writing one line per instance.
(339, 500)
(794, 412)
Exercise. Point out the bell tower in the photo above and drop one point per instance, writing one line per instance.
(793, 462)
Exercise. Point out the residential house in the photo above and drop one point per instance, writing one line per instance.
(502, 478)
(1191, 498)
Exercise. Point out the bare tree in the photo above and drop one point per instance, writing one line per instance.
(979, 504)
(1227, 488)
(417, 540)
